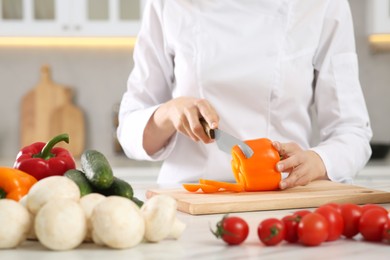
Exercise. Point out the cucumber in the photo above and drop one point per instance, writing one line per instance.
(97, 169)
(119, 188)
(81, 180)
(3, 194)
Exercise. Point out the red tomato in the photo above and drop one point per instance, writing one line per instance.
(334, 205)
(386, 231)
(301, 213)
(351, 214)
(313, 229)
(372, 206)
(291, 228)
(232, 230)
(335, 221)
(271, 231)
(372, 223)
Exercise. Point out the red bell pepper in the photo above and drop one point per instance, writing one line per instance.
(42, 160)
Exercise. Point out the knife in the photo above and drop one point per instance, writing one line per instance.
(225, 141)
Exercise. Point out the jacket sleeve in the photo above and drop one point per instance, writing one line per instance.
(342, 115)
(149, 85)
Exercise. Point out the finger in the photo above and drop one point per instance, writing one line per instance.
(276, 145)
(296, 178)
(289, 163)
(288, 149)
(194, 125)
(184, 128)
(207, 111)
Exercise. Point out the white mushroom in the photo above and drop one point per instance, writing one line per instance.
(88, 203)
(61, 224)
(31, 233)
(15, 223)
(117, 223)
(160, 218)
(51, 188)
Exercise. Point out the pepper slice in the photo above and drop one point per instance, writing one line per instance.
(257, 173)
(42, 160)
(211, 186)
(194, 187)
(14, 183)
(191, 187)
(227, 186)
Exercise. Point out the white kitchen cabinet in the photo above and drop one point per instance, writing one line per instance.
(378, 17)
(70, 17)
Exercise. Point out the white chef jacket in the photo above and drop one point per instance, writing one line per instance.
(279, 69)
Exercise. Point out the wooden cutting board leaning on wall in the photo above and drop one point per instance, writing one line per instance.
(47, 111)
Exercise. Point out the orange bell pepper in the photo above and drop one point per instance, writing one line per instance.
(194, 187)
(257, 173)
(211, 186)
(15, 183)
(227, 186)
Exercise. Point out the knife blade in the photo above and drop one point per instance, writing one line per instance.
(225, 141)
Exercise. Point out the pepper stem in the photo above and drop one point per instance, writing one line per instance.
(46, 150)
(3, 194)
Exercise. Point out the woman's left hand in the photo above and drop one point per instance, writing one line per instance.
(302, 166)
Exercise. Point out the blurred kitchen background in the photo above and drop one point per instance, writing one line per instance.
(97, 71)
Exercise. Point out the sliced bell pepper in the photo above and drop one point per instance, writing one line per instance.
(211, 186)
(194, 187)
(191, 187)
(227, 186)
(42, 160)
(257, 173)
(15, 183)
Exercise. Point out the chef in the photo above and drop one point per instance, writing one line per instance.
(280, 69)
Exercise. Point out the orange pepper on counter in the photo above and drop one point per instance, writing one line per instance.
(257, 173)
(15, 183)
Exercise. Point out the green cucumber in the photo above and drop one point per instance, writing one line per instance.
(119, 188)
(3, 194)
(81, 180)
(97, 169)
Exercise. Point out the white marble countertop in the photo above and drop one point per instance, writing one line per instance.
(197, 242)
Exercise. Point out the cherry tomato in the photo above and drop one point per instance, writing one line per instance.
(351, 214)
(372, 206)
(313, 229)
(271, 231)
(301, 213)
(233, 230)
(386, 231)
(334, 205)
(372, 223)
(335, 221)
(291, 228)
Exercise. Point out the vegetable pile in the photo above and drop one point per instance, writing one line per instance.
(113, 221)
(326, 223)
(46, 198)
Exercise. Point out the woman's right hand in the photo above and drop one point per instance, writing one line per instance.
(184, 114)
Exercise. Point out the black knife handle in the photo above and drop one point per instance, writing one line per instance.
(210, 132)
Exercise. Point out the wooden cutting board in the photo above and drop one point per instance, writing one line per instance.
(47, 111)
(311, 195)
